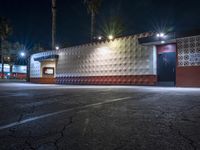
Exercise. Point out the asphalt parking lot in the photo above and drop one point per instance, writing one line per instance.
(52, 117)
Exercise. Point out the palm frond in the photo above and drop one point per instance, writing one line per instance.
(5, 28)
(93, 5)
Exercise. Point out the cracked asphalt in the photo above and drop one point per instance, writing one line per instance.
(58, 117)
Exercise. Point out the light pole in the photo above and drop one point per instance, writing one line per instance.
(24, 55)
(2, 60)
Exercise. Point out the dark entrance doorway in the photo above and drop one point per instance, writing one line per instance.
(166, 64)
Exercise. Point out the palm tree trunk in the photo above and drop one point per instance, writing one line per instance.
(2, 68)
(53, 23)
(92, 25)
(11, 68)
(2, 61)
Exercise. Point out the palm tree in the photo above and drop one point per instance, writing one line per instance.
(93, 7)
(53, 23)
(5, 31)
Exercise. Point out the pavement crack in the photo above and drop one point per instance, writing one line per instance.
(189, 140)
(21, 117)
(29, 145)
(25, 112)
(192, 107)
(62, 133)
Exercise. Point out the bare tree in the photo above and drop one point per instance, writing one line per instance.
(93, 7)
(53, 23)
(5, 31)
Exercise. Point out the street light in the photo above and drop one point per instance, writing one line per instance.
(22, 54)
(57, 48)
(26, 55)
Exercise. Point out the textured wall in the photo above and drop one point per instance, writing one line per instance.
(119, 57)
(188, 51)
(188, 68)
(43, 80)
(36, 66)
(105, 62)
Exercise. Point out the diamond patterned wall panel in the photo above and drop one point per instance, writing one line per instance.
(188, 51)
(122, 60)
(36, 66)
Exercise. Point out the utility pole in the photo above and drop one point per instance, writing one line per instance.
(53, 23)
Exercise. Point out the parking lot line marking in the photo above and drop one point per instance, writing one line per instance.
(60, 112)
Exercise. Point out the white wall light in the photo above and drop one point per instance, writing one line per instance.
(162, 42)
(161, 35)
(100, 38)
(110, 37)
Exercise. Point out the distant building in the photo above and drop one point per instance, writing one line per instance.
(14, 71)
(143, 59)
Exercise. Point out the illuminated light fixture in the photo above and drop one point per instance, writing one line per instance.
(57, 48)
(100, 38)
(162, 42)
(22, 54)
(110, 37)
(160, 35)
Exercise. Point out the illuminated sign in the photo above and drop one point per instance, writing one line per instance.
(48, 71)
(166, 48)
(6, 68)
(19, 69)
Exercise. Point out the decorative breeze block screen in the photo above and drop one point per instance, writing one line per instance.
(188, 51)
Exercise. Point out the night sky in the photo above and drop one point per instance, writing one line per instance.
(31, 19)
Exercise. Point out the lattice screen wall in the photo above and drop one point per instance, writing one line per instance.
(188, 51)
